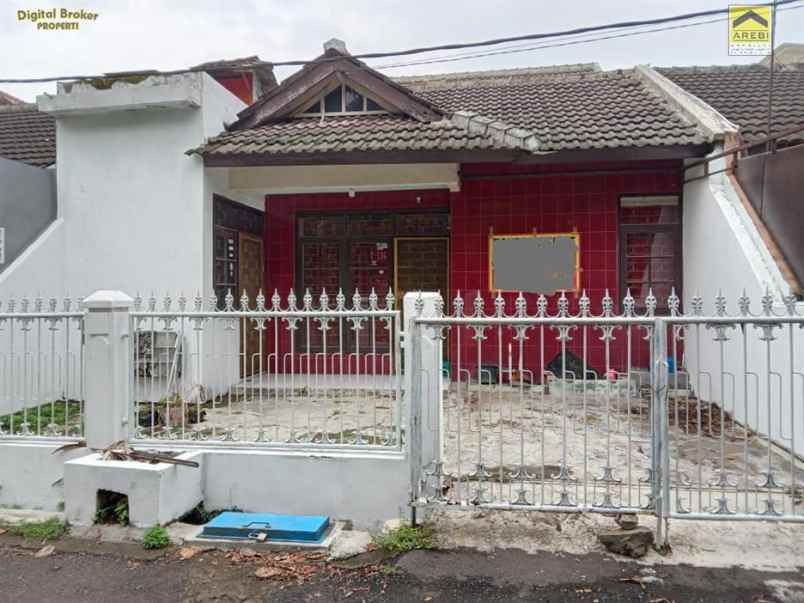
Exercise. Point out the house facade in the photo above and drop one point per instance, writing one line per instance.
(220, 181)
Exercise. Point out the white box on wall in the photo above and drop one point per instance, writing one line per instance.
(2, 245)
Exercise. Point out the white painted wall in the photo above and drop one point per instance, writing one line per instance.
(365, 488)
(134, 210)
(133, 205)
(31, 474)
(723, 252)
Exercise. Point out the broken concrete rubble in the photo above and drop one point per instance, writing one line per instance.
(631, 543)
(627, 521)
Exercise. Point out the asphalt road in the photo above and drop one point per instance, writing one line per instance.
(78, 571)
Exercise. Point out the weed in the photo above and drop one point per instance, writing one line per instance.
(155, 538)
(406, 538)
(112, 508)
(59, 413)
(200, 515)
(48, 529)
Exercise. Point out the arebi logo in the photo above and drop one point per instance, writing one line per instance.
(52, 19)
(750, 29)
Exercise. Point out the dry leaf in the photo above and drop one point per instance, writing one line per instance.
(45, 551)
(3, 531)
(267, 572)
(188, 552)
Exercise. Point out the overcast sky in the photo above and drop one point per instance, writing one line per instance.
(172, 34)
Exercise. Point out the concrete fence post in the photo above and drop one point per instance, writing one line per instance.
(107, 368)
(423, 390)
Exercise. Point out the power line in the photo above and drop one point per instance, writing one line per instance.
(428, 49)
(585, 40)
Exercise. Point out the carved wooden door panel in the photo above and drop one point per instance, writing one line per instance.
(251, 280)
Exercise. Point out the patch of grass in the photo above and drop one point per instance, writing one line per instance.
(57, 413)
(48, 529)
(406, 538)
(155, 538)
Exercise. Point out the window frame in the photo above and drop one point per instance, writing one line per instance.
(321, 112)
(675, 229)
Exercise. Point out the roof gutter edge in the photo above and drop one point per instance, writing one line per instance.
(713, 123)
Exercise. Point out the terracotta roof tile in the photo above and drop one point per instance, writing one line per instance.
(27, 135)
(740, 93)
(574, 110)
(578, 107)
(348, 133)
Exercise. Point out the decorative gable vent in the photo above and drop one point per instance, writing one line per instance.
(343, 100)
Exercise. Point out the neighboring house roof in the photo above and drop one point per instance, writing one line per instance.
(740, 93)
(573, 107)
(263, 69)
(786, 54)
(27, 135)
(7, 99)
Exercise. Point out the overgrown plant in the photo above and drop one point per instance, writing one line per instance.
(155, 537)
(406, 538)
(113, 508)
(48, 529)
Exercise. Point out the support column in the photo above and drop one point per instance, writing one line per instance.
(107, 370)
(423, 385)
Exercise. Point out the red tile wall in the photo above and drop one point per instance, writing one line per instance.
(551, 200)
(280, 221)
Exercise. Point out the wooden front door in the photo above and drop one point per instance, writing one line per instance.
(421, 264)
(251, 280)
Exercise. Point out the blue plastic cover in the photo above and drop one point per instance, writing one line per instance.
(249, 526)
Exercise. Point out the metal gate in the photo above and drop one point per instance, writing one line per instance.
(601, 411)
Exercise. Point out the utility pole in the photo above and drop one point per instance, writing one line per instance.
(771, 144)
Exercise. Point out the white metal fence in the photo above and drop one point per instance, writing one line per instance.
(693, 416)
(323, 371)
(697, 415)
(41, 368)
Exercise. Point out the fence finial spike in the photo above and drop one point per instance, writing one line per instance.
(628, 303)
(673, 302)
(720, 303)
(478, 305)
(499, 304)
(650, 302)
(584, 303)
(457, 304)
(767, 302)
(438, 304)
(744, 303)
(418, 305)
(521, 306)
(260, 301)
